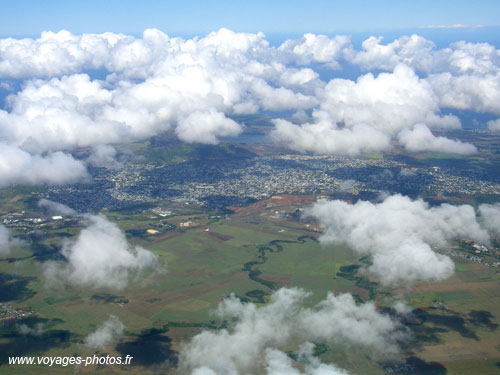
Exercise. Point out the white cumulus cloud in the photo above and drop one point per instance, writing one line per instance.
(366, 115)
(420, 138)
(278, 363)
(205, 127)
(5, 240)
(388, 102)
(258, 334)
(55, 208)
(479, 93)
(103, 156)
(20, 167)
(101, 257)
(108, 333)
(459, 58)
(316, 48)
(399, 234)
(490, 218)
(327, 138)
(494, 125)
(156, 83)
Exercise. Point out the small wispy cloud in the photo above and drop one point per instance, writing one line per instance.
(455, 26)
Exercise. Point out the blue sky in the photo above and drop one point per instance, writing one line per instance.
(188, 17)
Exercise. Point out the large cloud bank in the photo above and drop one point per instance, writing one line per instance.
(101, 257)
(156, 83)
(259, 335)
(401, 234)
(373, 111)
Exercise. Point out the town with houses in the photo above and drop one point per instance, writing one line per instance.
(217, 184)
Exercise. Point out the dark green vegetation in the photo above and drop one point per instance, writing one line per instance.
(159, 148)
(108, 298)
(13, 287)
(151, 347)
(24, 344)
(350, 273)
(274, 246)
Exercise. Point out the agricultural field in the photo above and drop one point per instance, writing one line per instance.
(258, 249)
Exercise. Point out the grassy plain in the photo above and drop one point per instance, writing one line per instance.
(456, 324)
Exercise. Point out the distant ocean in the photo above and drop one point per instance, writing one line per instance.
(442, 37)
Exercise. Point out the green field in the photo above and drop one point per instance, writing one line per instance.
(248, 255)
